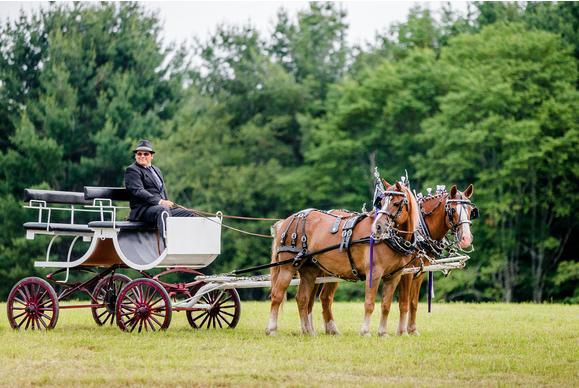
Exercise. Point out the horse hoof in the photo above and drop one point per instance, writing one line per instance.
(271, 333)
(416, 333)
(331, 329)
(383, 334)
(365, 334)
(402, 333)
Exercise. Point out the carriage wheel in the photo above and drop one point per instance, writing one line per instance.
(106, 294)
(225, 310)
(143, 304)
(32, 304)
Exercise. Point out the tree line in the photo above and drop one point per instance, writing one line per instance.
(267, 125)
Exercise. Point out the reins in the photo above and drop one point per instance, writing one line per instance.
(207, 215)
(201, 212)
(311, 255)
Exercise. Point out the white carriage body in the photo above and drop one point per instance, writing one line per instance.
(192, 242)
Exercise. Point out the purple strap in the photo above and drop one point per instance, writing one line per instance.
(372, 251)
(430, 290)
(371, 257)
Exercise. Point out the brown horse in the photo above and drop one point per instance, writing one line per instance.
(440, 216)
(399, 212)
(441, 212)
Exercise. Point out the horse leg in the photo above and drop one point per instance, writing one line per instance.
(388, 289)
(327, 298)
(303, 297)
(278, 291)
(311, 302)
(414, 297)
(369, 301)
(403, 302)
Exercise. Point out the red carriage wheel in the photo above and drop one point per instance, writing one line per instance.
(106, 293)
(32, 304)
(143, 304)
(224, 311)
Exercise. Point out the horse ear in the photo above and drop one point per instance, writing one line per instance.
(469, 191)
(385, 182)
(453, 191)
(398, 186)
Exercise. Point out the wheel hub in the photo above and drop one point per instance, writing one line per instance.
(31, 309)
(143, 311)
(110, 300)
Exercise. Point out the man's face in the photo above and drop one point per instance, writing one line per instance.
(144, 158)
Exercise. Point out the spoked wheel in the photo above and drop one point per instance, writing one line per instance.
(106, 293)
(32, 304)
(143, 304)
(224, 311)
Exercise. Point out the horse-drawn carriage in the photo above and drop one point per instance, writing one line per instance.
(190, 244)
(146, 303)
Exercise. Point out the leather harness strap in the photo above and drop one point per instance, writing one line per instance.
(397, 243)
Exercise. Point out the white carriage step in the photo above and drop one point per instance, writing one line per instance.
(55, 264)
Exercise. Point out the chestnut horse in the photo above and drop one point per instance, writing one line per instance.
(440, 216)
(399, 212)
(441, 212)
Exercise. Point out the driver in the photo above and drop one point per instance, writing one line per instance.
(148, 195)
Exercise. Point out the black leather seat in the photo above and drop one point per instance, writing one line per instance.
(122, 225)
(57, 227)
(53, 196)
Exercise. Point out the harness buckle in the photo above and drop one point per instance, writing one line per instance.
(297, 259)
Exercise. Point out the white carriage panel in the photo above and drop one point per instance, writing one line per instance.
(193, 241)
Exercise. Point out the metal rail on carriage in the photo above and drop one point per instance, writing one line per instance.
(145, 303)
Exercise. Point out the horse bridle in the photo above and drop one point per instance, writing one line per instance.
(401, 204)
(451, 210)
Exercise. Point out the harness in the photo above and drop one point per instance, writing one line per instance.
(434, 247)
(298, 221)
(451, 210)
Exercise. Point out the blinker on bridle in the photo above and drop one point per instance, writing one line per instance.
(451, 210)
(393, 193)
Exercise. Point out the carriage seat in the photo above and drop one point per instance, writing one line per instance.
(53, 196)
(122, 225)
(112, 193)
(57, 227)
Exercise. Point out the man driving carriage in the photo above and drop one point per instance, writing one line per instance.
(148, 195)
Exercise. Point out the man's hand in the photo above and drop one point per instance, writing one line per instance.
(166, 203)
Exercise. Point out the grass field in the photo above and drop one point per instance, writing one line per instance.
(461, 344)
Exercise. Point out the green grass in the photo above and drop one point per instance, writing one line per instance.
(474, 344)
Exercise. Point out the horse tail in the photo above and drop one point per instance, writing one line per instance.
(274, 271)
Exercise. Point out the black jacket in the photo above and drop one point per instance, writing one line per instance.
(143, 189)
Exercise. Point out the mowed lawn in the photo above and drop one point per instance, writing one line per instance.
(474, 344)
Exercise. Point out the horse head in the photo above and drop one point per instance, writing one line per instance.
(398, 210)
(459, 212)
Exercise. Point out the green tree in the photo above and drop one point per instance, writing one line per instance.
(509, 125)
(314, 50)
(80, 84)
(372, 119)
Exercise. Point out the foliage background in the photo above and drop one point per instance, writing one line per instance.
(264, 126)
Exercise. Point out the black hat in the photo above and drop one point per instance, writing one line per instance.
(144, 145)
